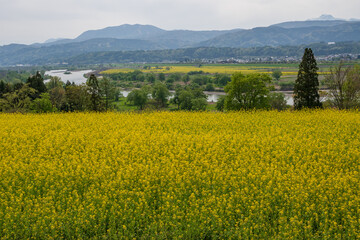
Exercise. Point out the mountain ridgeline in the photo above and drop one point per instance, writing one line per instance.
(137, 38)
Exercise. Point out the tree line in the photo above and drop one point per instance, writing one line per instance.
(36, 96)
(136, 78)
(190, 97)
(242, 92)
(253, 91)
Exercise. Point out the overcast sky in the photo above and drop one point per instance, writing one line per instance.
(29, 21)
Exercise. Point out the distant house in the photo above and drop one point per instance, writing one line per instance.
(331, 43)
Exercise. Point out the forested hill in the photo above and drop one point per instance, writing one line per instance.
(279, 36)
(186, 54)
(83, 54)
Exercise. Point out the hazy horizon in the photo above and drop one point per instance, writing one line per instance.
(28, 22)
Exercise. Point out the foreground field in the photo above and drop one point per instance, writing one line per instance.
(180, 175)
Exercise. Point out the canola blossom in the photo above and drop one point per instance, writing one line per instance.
(205, 69)
(180, 175)
(212, 69)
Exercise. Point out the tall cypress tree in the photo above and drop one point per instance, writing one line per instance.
(306, 89)
(2, 88)
(94, 91)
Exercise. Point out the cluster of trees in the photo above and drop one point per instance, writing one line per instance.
(36, 96)
(343, 83)
(189, 97)
(153, 97)
(253, 91)
(344, 86)
(137, 78)
(12, 76)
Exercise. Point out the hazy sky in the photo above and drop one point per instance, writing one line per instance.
(29, 21)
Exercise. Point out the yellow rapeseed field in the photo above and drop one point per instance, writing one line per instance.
(180, 175)
(226, 69)
(205, 69)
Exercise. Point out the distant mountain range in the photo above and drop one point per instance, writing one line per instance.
(328, 17)
(280, 36)
(164, 38)
(146, 37)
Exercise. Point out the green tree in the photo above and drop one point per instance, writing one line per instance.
(161, 77)
(95, 94)
(36, 82)
(306, 88)
(220, 103)
(221, 79)
(185, 79)
(209, 87)
(277, 100)
(54, 82)
(198, 104)
(276, 74)
(42, 104)
(192, 99)
(150, 77)
(247, 91)
(17, 85)
(77, 98)
(175, 99)
(344, 86)
(108, 92)
(18, 100)
(185, 98)
(352, 87)
(201, 80)
(174, 77)
(160, 94)
(2, 88)
(68, 83)
(58, 97)
(138, 98)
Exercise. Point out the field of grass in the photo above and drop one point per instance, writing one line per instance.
(122, 105)
(172, 175)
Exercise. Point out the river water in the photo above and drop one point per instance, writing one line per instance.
(214, 96)
(78, 78)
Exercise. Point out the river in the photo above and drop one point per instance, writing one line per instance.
(214, 96)
(75, 76)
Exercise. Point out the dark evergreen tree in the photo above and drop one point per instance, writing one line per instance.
(306, 88)
(94, 91)
(2, 88)
(17, 86)
(36, 82)
(161, 77)
(67, 84)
